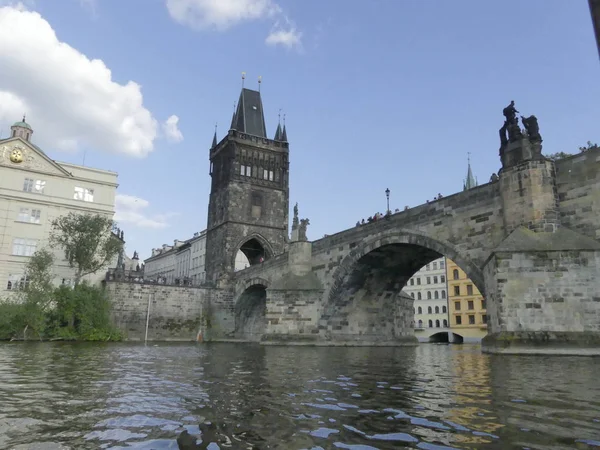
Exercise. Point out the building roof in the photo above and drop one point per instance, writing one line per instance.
(249, 116)
(22, 124)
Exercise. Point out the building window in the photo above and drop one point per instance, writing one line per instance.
(24, 247)
(420, 324)
(268, 175)
(484, 318)
(483, 304)
(429, 311)
(16, 282)
(442, 264)
(455, 274)
(418, 281)
(445, 323)
(420, 310)
(437, 323)
(444, 309)
(457, 290)
(457, 306)
(412, 294)
(418, 296)
(248, 171)
(435, 280)
(471, 319)
(443, 279)
(428, 295)
(434, 265)
(437, 309)
(443, 294)
(431, 324)
(242, 170)
(469, 289)
(29, 215)
(470, 304)
(428, 280)
(427, 267)
(87, 195)
(412, 282)
(436, 295)
(458, 320)
(35, 186)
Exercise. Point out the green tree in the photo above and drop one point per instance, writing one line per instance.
(562, 155)
(87, 241)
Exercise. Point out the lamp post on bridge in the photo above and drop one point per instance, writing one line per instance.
(387, 195)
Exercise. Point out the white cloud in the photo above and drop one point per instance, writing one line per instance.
(288, 38)
(70, 100)
(219, 14)
(171, 129)
(223, 14)
(131, 210)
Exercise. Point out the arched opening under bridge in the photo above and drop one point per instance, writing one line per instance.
(250, 313)
(368, 300)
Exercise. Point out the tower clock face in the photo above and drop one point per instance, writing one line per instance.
(16, 156)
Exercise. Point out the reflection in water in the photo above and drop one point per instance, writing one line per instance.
(113, 396)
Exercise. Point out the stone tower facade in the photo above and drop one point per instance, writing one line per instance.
(249, 197)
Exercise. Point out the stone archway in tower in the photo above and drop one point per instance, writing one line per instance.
(253, 250)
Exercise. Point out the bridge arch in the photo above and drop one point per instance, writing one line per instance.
(405, 238)
(365, 300)
(250, 309)
(255, 247)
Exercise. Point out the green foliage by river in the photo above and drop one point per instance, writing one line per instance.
(78, 313)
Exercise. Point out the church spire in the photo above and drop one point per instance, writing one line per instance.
(470, 182)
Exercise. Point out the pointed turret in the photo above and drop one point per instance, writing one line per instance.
(214, 142)
(470, 182)
(284, 134)
(249, 117)
(233, 120)
(278, 133)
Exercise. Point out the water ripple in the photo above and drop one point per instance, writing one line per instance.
(128, 396)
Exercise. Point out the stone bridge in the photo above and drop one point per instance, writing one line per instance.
(528, 240)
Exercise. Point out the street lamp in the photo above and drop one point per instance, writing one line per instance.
(387, 195)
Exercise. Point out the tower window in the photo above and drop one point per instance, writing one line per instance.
(268, 175)
(256, 205)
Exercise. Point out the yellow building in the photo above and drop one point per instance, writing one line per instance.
(468, 317)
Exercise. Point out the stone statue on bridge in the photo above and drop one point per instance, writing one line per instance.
(533, 129)
(295, 219)
(518, 145)
(304, 223)
(511, 125)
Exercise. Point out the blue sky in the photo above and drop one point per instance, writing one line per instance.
(377, 94)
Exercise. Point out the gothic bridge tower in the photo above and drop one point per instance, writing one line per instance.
(249, 196)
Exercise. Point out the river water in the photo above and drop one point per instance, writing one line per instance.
(80, 396)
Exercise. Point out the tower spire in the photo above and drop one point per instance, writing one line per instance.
(470, 182)
(284, 137)
(278, 132)
(214, 142)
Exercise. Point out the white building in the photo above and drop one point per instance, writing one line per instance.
(34, 190)
(429, 290)
(183, 262)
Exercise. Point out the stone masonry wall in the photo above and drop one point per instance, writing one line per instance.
(545, 291)
(578, 184)
(293, 315)
(176, 312)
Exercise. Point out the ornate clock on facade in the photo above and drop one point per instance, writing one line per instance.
(16, 156)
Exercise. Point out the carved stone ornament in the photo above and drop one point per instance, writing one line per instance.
(15, 153)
